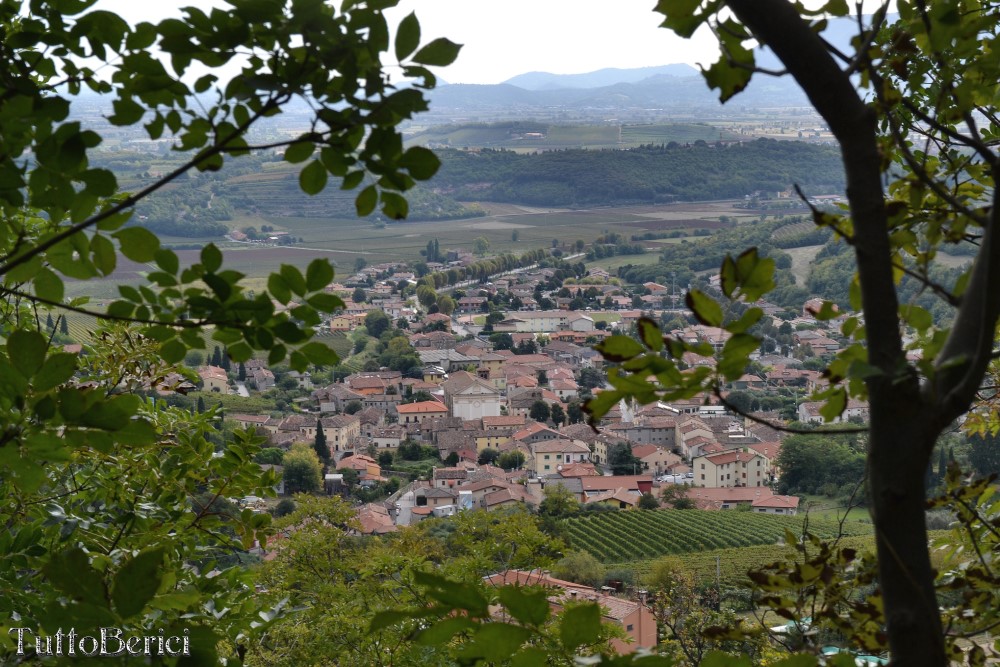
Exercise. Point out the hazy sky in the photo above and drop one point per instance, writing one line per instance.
(503, 38)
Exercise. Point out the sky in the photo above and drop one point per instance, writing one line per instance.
(504, 38)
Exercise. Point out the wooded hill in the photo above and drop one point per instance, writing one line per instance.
(265, 186)
(649, 174)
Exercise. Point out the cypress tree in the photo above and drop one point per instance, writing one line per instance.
(63, 325)
(319, 444)
(217, 357)
(224, 358)
(49, 324)
(242, 374)
(201, 404)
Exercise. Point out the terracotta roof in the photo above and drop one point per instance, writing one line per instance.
(421, 407)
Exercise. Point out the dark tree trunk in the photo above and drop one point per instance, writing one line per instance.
(904, 424)
(900, 448)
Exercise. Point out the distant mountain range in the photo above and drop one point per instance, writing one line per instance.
(598, 79)
(674, 89)
(608, 91)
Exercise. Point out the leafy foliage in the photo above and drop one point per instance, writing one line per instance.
(115, 504)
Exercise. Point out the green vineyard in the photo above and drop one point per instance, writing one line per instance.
(617, 537)
(730, 566)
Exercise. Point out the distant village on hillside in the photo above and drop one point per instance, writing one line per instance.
(496, 394)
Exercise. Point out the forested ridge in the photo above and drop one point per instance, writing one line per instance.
(649, 174)
(263, 185)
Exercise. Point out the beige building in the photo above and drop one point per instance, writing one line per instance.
(549, 456)
(417, 413)
(729, 469)
(214, 379)
(341, 431)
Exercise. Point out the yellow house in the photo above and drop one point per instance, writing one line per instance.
(491, 440)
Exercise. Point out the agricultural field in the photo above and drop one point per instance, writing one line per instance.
(730, 566)
(520, 136)
(614, 537)
(636, 135)
(343, 241)
(80, 328)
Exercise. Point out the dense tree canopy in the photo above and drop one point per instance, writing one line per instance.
(98, 482)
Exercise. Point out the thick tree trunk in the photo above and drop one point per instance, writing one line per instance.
(899, 450)
(904, 426)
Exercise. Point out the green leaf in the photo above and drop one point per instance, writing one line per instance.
(705, 308)
(736, 354)
(443, 630)
(319, 274)
(917, 317)
(26, 350)
(407, 36)
(619, 348)
(366, 201)
(440, 52)
(279, 289)
(167, 260)
(494, 642)
(57, 369)
(453, 594)
(319, 354)
(173, 351)
(394, 206)
(835, 404)
(325, 302)
(649, 332)
(300, 151)
(103, 252)
(70, 572)
(112, 414)
(293, 278)
(136, 582)
(529, 607)
(211, 258)
(127, 112)
(421, 162)
(387, 619)
(138, 243)
(579, 626)
(49, 286)
(312, 178)
(720, 659)
(530, 656)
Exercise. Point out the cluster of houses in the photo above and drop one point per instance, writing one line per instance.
(471, 399)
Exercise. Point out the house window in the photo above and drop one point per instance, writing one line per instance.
(546, 467)
(546, 458)
(628, 628)
(702, 466)
(703, 477)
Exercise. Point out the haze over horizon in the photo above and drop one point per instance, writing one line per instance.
(503, 40)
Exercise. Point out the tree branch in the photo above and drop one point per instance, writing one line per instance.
(131, 200)
(967, 351)
(781, 427)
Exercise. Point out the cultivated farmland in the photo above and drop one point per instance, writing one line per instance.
(614, 537)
